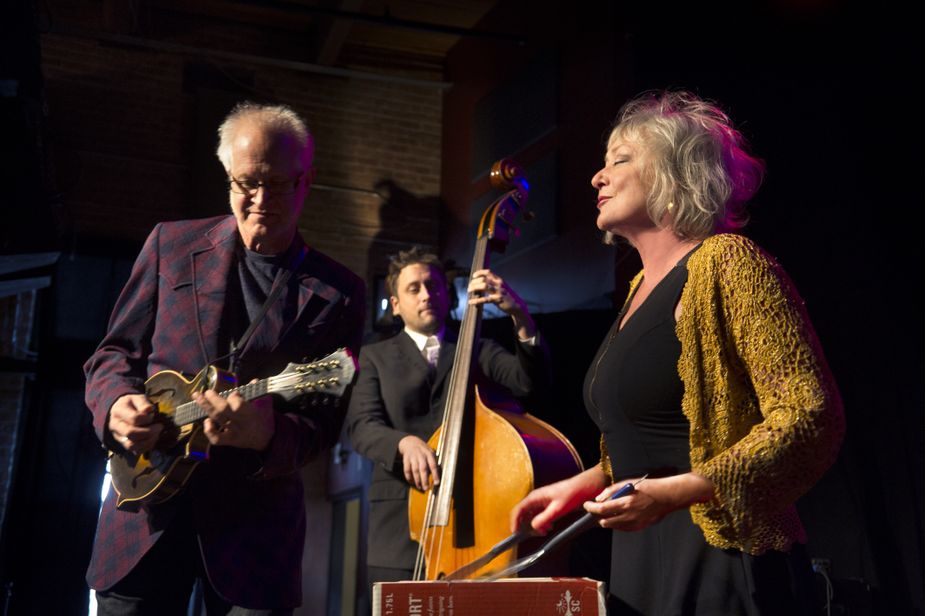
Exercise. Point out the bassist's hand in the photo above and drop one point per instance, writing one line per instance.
(486, 287)
(235, 422)
(419, 462)
(131, 422)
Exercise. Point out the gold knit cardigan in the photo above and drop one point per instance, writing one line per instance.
(765, 416)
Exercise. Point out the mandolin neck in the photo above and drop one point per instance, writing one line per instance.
(190, 412)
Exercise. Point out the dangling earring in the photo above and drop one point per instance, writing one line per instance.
(670, 205)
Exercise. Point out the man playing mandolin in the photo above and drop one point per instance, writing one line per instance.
(401, 391)
(241, 292)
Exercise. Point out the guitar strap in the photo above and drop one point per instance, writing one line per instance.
(278, 286)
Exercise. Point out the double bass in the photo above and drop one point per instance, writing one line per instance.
(490, 451)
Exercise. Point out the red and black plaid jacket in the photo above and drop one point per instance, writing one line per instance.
(251, 528)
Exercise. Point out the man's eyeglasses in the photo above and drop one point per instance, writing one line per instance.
(249, 187)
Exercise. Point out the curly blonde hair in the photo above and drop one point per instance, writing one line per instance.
(698, 170)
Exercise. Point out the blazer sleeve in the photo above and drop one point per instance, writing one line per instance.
(802, 423)
(368, 426)
(119, 365)
(300, 436)
(521, 372)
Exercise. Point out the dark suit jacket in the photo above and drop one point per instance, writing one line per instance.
(395, 396)
(248, 507)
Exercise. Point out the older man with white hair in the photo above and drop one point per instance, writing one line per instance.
(244, 293)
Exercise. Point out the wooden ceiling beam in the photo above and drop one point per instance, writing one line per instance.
(335, 34)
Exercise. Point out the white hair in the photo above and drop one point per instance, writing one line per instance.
(279, 118)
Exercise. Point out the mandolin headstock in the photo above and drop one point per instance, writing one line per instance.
(329, 377)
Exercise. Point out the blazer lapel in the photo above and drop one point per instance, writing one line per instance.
(444, 361)
(315, 296)
(211, 266)
(408, 354)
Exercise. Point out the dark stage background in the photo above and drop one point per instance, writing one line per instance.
(827, 94)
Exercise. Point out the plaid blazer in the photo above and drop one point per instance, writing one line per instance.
(247, 508)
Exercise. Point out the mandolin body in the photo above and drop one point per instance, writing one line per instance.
(156, 476)
(159, 474)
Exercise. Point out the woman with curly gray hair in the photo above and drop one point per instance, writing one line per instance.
(711, 383)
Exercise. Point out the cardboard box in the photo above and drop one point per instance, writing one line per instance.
(507, 597)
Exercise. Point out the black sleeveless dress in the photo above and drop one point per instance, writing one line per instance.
(633, 392)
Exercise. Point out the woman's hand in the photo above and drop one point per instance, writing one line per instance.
(652, 500)
(541, 507)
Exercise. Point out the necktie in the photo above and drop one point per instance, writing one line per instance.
(432, 350)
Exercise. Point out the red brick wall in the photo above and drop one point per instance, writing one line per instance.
(123, 124)
(132, 145)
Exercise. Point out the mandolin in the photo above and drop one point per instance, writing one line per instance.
(157, 475)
